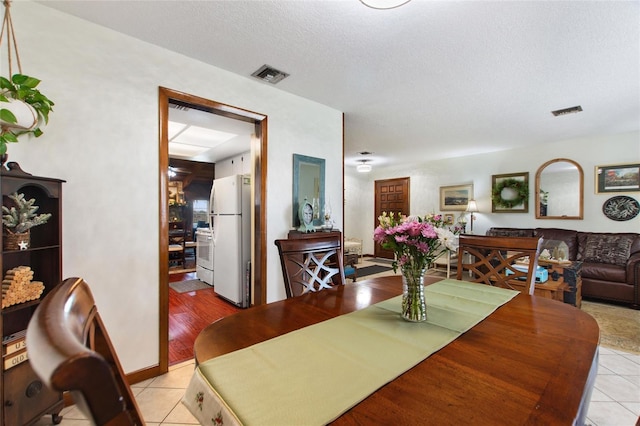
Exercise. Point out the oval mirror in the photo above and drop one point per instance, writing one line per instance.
(559, 190)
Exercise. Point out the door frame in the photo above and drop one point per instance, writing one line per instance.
(259, 159)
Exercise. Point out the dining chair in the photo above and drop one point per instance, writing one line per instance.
(498, 261)
(70, 350)
(311, 264)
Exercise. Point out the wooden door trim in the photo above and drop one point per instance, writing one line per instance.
(165, 96)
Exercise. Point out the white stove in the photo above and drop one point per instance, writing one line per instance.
(204, 255)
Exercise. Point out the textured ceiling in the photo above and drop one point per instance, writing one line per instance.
(428, 80)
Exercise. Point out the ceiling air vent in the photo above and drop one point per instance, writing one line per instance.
(566, 111)
(269, 74)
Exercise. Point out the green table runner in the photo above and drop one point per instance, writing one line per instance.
(313, 375)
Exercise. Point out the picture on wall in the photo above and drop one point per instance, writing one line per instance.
(617, 178)
(448, 219)
(176, 194)
(455, 198)
(510, 193)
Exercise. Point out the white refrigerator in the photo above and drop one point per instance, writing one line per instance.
(230, 210)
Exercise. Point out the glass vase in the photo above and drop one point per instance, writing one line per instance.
(414, 308)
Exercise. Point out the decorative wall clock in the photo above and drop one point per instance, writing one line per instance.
(621, 208)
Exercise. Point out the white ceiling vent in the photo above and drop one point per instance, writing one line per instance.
(269, 74)
(566, 111)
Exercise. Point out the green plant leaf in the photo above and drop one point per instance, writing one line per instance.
(7, 116)
(10, 137)
(25, 80)
(6, 84)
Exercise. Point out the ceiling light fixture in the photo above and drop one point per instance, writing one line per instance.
(363, 167)
(384, 4)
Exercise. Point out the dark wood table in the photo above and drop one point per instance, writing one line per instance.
(533, 361)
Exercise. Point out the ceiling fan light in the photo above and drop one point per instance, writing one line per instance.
(384, 4)
(363, 168)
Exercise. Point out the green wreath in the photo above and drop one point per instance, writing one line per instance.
(521, 187)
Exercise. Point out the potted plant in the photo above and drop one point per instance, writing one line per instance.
(18, 221)
(23, 109)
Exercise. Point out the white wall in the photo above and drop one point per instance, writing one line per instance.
(103, 140)
(427, 177)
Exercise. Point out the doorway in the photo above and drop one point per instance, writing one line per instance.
(391, 195)
(259, 167)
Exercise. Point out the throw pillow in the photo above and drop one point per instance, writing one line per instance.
(611, 249)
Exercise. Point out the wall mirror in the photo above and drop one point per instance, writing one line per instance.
(308, 183)
(559, 190)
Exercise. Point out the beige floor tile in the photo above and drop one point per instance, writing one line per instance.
(190, 362)
(634, 407)
(597, 395)
(73, 412)
(618, 388)
(620, 364)
(156, 403)
(142, 384)
(180, 415)
(176, 378)
(610, 414)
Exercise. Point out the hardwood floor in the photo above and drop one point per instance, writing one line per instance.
(189, 313)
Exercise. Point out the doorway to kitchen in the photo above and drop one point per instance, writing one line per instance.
(168, 97)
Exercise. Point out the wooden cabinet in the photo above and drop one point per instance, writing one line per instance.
(293, 234)
(25, 398)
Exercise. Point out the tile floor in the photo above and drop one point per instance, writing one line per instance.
(615, 400)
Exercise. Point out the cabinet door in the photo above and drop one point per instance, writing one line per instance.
(25, 396)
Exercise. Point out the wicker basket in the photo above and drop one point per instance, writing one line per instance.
(11, 241)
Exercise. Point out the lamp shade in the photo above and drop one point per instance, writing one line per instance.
(472, 206)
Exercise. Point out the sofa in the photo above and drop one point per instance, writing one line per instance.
(610, 261)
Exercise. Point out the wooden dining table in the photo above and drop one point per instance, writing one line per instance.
(532, 361)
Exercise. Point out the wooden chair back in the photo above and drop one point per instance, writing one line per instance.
(311, 264)
(491, 260)
(70, 350)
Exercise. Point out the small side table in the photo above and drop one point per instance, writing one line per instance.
(571, 275)
(549, 290)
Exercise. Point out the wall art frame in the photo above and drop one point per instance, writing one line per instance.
(617, 178)
(514, 184)
(448, 219)
(455, 198)
(308, 184)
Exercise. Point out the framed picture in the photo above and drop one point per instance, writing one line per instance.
(510, 193)
(617, 178)
(455, 198)
(448, 219)
(176, 194)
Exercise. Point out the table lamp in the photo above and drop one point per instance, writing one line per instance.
(472, 207)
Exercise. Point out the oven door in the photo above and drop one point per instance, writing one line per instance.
(204, 249)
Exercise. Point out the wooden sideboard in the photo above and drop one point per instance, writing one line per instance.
(293, 234)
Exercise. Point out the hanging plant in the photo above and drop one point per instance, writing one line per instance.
(518, 191)
(23, 109)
